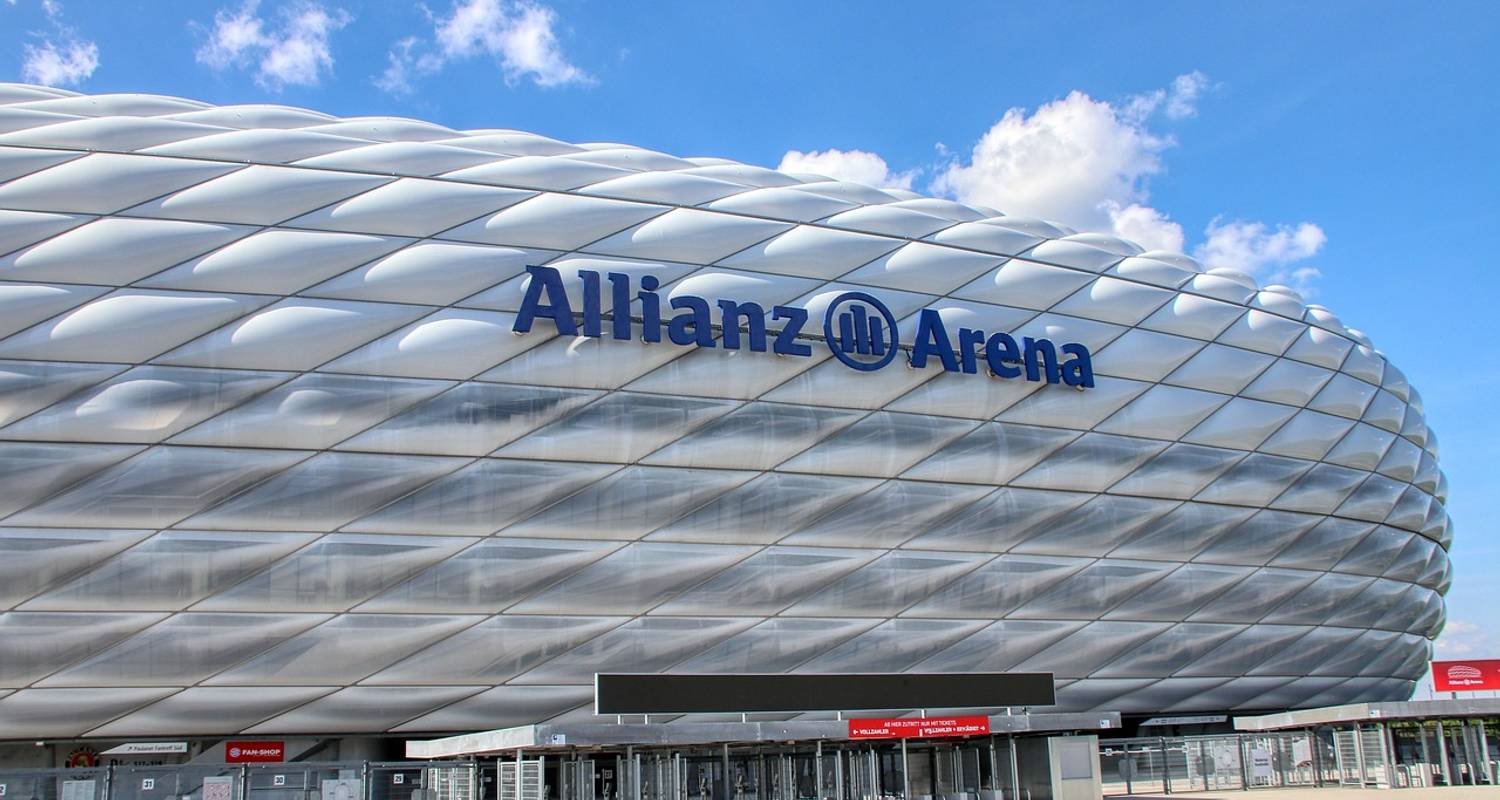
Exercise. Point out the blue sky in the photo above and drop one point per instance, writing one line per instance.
(1345, 148)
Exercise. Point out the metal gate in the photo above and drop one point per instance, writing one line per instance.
(576, 779)
(55, 784)
(1214, 763)
(521, 780)
(453, 783)
(1360, 754)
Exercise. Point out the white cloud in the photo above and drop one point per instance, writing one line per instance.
(1145, 226)
(296, 52)
(848, 165)
(62, 58)
(520, 35)
(1460, 638)
(1087, 163)
(1178, 101)
(52, 64)
(396, 79)
(1080, 161)
(1182, 100)
(233, 36)
(1271, 254)
(301, 53)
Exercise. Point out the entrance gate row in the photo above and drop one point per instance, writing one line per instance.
(977, 769)
(983, 768)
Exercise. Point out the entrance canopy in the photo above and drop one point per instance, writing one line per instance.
(1372, 712)
(562, 736)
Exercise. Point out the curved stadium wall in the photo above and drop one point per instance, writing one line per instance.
(272, 459)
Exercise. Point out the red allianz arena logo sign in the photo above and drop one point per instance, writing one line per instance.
(1466, 676)
(254, 752)
(923, 728)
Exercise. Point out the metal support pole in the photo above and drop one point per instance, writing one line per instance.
(1426, 754)
(957, 769)
(1442, 742)
(995, 772)
(1484, 751)
(905, 773)
(838, 774)
(1015, 770)
(724, 761)
(627, 775)
(1471, 750)
(1166, 767)
(818, 769)
(1472, 753)
(1244, 767)
(1481, 752)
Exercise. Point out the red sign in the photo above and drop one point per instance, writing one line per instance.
(1466, 676)
(922, 728)
(83, 757)
(246, 752)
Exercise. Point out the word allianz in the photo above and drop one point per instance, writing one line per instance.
(744, 326)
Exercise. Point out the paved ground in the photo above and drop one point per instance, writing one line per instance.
(1331, 793)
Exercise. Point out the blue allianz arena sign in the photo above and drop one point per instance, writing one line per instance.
(859, 329)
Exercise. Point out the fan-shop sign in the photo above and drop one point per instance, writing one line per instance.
(254, 752)
(858, 328)
(923, 728)
(1466, 676)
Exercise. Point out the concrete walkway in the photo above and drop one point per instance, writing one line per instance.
(1336, 793)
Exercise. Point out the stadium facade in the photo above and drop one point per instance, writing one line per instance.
(295, 442)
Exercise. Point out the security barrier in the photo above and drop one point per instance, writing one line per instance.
(362, 780)
(1360, 755)
(1163, 765)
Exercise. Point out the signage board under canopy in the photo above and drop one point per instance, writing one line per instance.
(919, 728)
(145, 748)
(262, 752)
(709, 694)
(1198, 719)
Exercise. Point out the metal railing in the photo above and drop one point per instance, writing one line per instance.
(1167, 764)
(361, 780)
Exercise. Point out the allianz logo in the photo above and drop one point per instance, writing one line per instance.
(858, 328)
